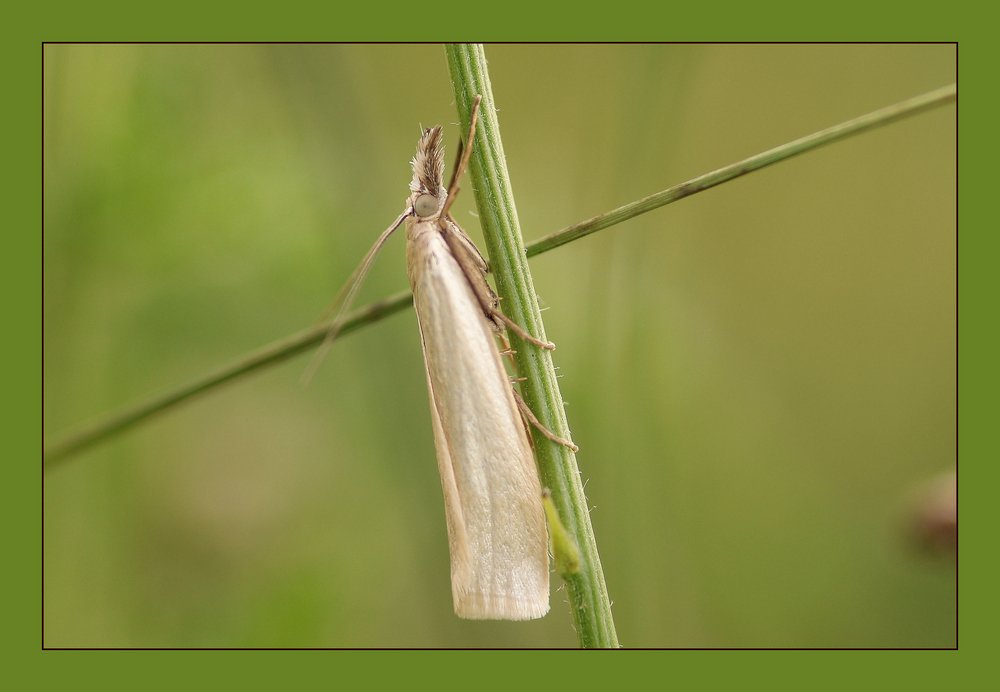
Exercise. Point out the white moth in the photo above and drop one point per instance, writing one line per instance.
(492, 497)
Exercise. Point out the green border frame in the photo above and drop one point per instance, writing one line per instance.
(187, 21)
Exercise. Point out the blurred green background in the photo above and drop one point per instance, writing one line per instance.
(758, 376)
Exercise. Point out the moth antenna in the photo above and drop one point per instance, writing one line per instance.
(345, 297)
(466, 153)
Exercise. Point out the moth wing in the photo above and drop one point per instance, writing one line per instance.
(496, 524)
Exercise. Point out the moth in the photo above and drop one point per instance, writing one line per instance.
(493, 500)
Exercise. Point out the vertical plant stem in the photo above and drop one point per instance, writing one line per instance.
(588, 594)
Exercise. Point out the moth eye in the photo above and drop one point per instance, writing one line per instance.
(425, 205)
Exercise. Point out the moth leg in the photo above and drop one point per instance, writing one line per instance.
(527, 417)
(473, 266)
(497, 315)
(526, 412)
(464, 161)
